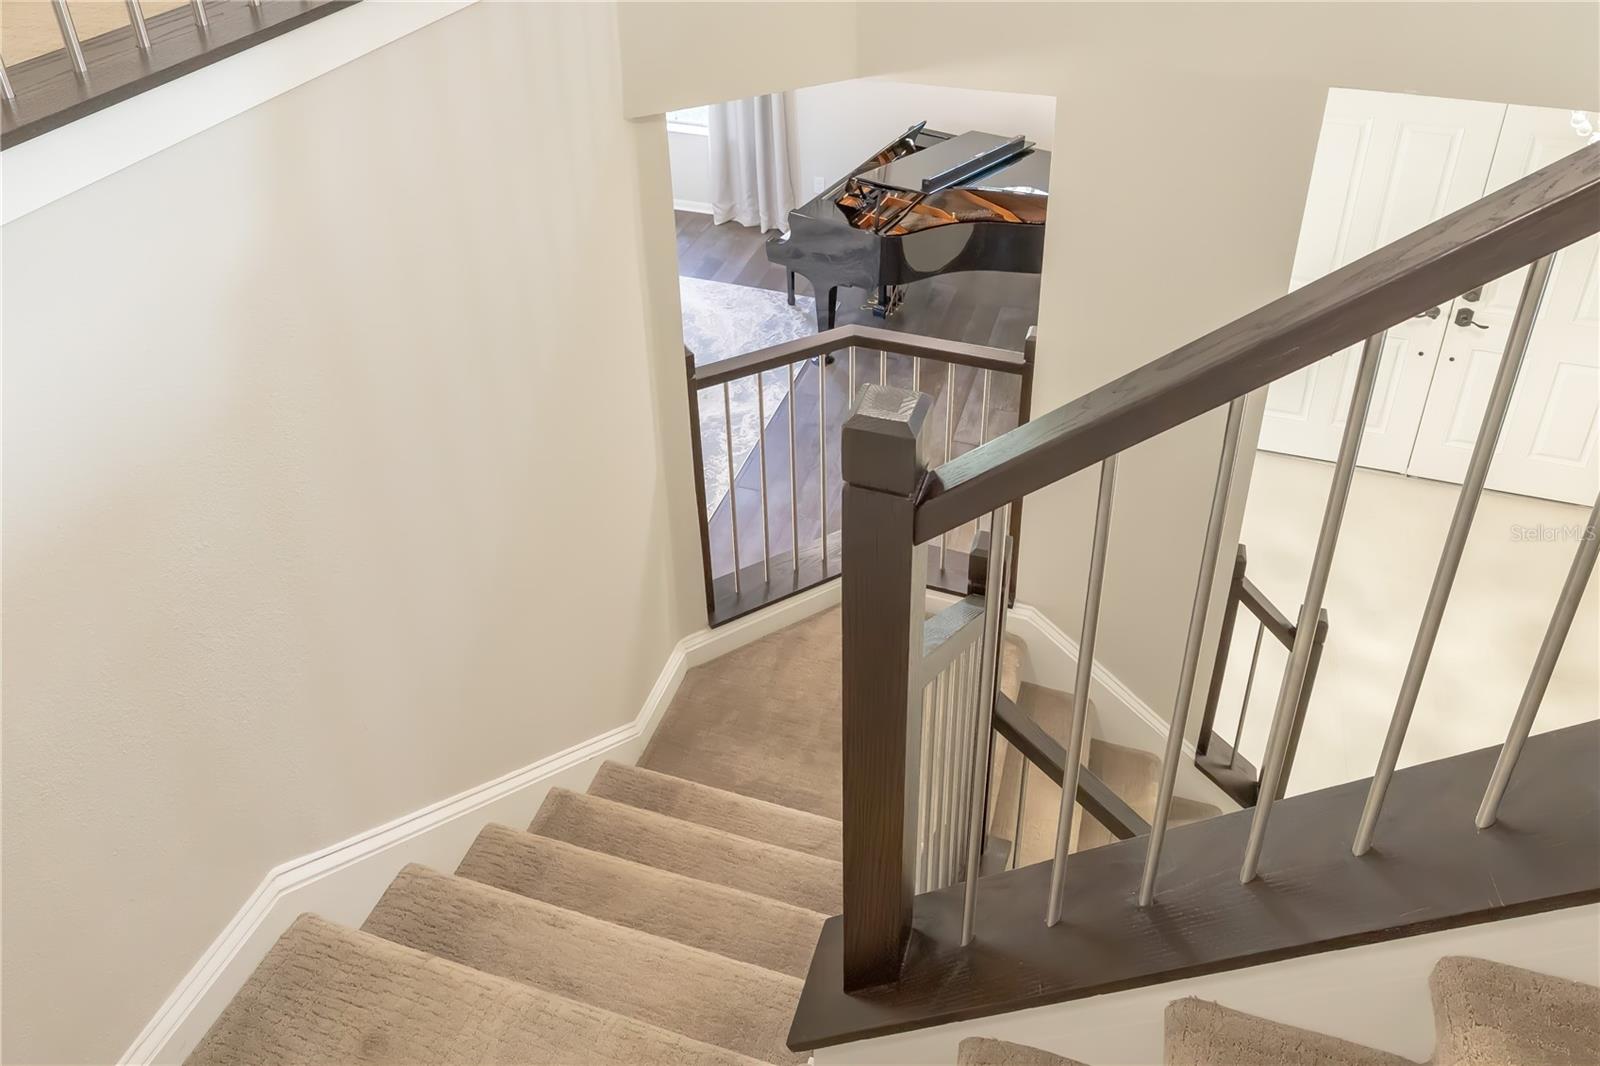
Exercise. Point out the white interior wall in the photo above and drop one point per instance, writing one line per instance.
(691, 177)
(337, 480)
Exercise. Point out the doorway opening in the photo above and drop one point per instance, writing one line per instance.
(833, 206)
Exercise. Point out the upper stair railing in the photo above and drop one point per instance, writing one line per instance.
(769, 507)
(894, 501)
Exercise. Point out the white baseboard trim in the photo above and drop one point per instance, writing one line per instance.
(699, 207)
(1118, 715)
(343, 881)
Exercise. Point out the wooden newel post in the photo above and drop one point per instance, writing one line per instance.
(884, 460)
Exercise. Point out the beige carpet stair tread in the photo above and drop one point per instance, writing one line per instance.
(727, 921)
(1201, 1033)
(325, 994)
(728, 811)
(1012, 657)
(762, 720)
(692, 850)
(1133, 774)
(651, 979)
(1488, 1013)
(985, 1051)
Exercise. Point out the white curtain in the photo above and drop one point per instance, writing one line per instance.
(752, 171)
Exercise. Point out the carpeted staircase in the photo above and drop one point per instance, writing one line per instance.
(667, 915)
(1485, 1014)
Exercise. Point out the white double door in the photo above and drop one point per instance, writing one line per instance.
(1387, 164)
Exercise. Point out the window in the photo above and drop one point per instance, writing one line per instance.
(689, 120)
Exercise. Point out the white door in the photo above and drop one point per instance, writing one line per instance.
(1548, 445)
(1385, 165)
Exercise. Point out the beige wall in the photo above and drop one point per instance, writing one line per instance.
(334, 484)
(686, 54)
(1184, 139)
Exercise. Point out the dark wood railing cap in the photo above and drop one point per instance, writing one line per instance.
(884, 446)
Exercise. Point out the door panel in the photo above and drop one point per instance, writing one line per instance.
(1385, 165)
(1548, 446)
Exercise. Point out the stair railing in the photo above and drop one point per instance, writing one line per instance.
(1218, 759)
(775, 531)
(894, 501)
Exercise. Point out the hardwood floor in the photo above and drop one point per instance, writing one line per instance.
(981, 308)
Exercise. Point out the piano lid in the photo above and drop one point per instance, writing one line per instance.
(949, 164)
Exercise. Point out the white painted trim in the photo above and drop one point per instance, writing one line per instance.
(699, 207)
(56, 164)
(343, 881)
(1118, 715)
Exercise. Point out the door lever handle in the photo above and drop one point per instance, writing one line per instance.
(1432, 312)
(1464, 318)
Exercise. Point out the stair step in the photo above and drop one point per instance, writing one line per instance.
(1012, 654)
(984, 1051)
(739, 925)
(1488, 1013)
(327, 994)
(1200, 1033)
(692, 850)
(651, 979)
(730, 812)
(762, 720)
(1135, 775)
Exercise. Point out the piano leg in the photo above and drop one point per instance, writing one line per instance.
(826, 317)
(791, 288)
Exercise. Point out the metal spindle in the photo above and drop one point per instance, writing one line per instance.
(983, 438)
(852, 375)
(961, 693)
(994, 632)
(883, 368)
(761, 442)
(198, 7)
(1022, 796)
(822, 454)
(733, 495)
(949, 435)
(5, 84)
(1085, 674)
(925, 790)
(1244, 704)
(1191, 648)
(794, 488)
(140, 30)
(1455, 543)
(946, 762)
(69, 36)
(1543, 666)
(1294, 673)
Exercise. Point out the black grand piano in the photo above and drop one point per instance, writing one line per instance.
(928, 203)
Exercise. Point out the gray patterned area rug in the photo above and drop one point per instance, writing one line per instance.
(721, 321)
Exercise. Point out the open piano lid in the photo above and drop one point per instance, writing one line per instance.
(970, 159)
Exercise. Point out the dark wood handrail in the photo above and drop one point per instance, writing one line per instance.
(870, 337)
(1543, 212)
